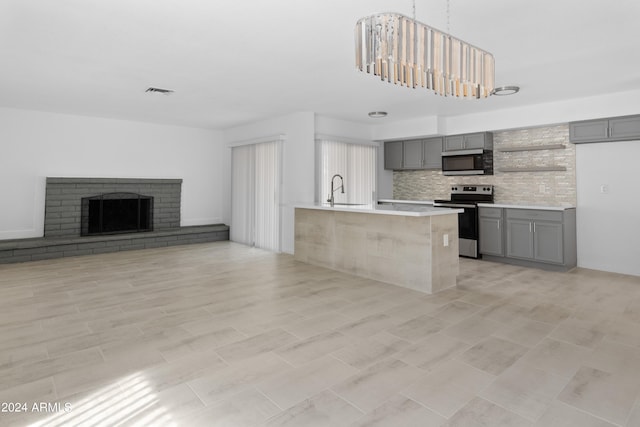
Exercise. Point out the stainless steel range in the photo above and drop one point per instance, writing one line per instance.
(467, 197)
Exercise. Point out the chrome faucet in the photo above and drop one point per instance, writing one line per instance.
(330, 199)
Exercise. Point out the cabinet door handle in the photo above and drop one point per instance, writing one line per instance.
(529, 227)
(534, 227)
(498, 225)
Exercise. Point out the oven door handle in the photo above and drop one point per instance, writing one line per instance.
(452, 205)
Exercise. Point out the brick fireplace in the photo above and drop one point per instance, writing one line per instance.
(63, 201)
(63, 234)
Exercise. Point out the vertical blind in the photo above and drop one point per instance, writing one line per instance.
(356, 163)
(255, 195)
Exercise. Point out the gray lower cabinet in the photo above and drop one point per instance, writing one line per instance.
(605, 130)
(535, 240)
(535, 235)
(519, 238)
(532, 237)
(547, 242)
(490, 228)
(393, 155)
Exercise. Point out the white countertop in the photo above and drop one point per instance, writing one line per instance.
(421, 210)
(542, 208)
(407, 202)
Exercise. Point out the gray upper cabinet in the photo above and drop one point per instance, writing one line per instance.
(393, 155)
(624, 128)
(605, 130)
(432, 153)
(481, 140)
(589, 131)
(412, 154)
(452, 143)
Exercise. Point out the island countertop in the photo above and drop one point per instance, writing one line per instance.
(406, 202)
(418, 210)
(416, 248)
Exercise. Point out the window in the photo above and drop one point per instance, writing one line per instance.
(255, 195)
(356, 163)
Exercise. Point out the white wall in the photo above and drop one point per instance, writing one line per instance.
(297, 158)
(35, 145)
(608, 223)
(342, 128)
(423, 127)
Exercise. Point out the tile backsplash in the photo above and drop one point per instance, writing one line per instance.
(535, 188)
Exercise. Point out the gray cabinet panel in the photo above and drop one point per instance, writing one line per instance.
(624, 128)
(474, 140)
(470, 141)
(393, 155)
(548, 242)
(452, 143)
(432, 153)
(491, 236)
(412, 154)
(590, 131)
(519, 238)
(605, 130)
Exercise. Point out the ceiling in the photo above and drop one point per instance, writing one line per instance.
(235, 62)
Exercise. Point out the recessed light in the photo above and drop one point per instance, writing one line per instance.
(505, 90)
(378, 114)
(159, 90)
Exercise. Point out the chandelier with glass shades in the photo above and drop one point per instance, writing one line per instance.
(401, 50)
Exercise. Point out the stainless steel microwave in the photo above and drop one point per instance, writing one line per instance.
(467, 162)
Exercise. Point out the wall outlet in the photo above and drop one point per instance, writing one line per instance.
(445, 240)
(542, 188)
(604, 188)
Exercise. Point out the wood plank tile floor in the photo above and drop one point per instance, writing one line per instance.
(220, 334)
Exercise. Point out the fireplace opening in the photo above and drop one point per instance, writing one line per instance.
(115, 213)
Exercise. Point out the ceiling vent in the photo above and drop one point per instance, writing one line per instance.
(159, 90)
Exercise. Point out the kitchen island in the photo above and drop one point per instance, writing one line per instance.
(413, 247)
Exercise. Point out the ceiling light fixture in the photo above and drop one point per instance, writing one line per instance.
(404, 51)
(378, 114)
(505, 90)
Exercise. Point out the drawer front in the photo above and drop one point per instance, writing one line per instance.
(490, 212)
(533, 214)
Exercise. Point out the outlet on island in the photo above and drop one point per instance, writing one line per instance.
(445, 240)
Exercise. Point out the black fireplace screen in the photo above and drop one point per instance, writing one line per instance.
(115, 213)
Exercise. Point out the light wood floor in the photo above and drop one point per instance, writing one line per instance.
(224, 335)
